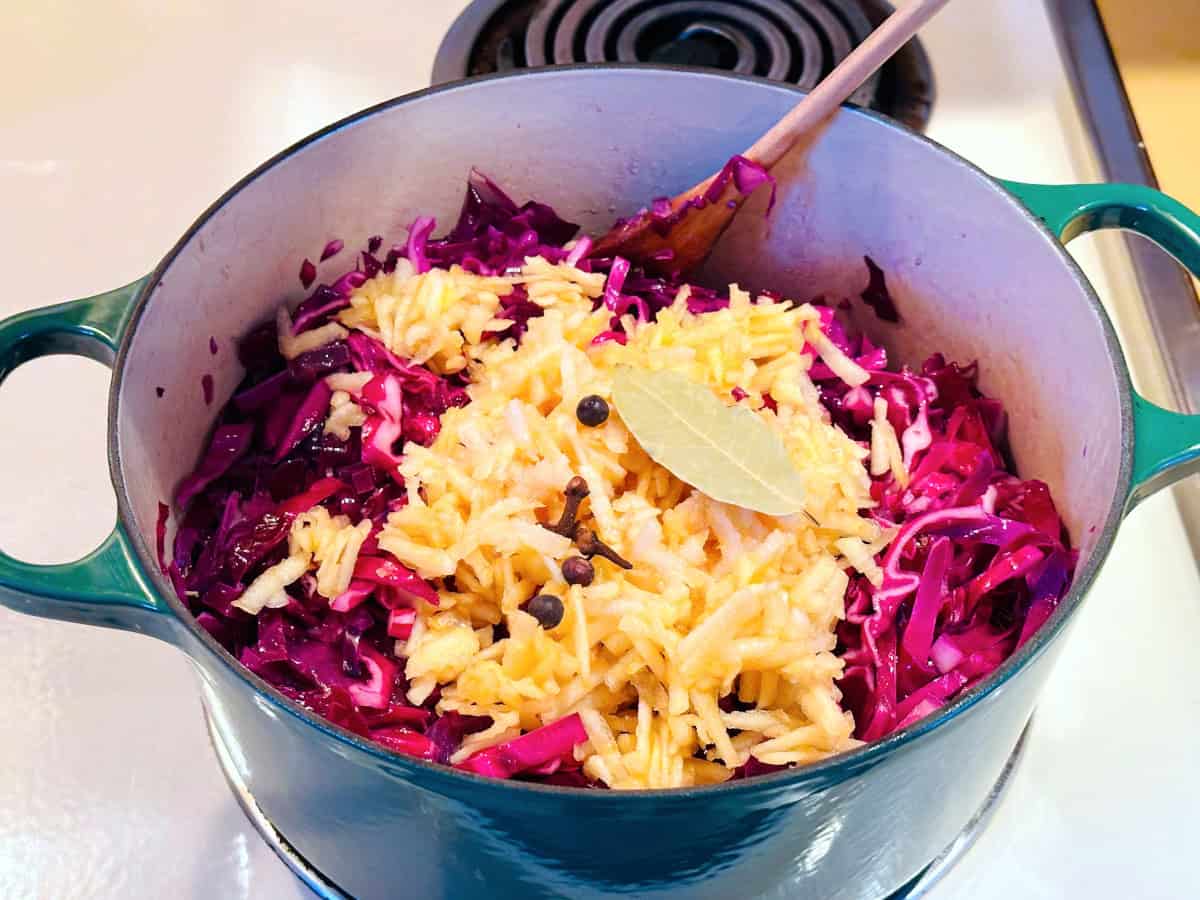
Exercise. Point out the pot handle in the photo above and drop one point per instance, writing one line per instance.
(107, 587)
(1166, 444)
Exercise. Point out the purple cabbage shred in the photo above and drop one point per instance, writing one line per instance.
(332, 249)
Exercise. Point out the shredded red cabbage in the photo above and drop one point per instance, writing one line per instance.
(980, 558)
(549, 746)
(308, 273)
(743, 174)
(227, 445)
(876, 295)
(979, 561)
(662, 216)
(319, 306)
(332, 249)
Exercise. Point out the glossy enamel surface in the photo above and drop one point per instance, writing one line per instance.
(856, 826)
(813, 827)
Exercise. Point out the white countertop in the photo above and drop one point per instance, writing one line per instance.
(120, 123)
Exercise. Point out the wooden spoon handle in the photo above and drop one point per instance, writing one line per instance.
(844, 80)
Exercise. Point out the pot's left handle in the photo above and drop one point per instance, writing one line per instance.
(107, 587)
(1166, 444)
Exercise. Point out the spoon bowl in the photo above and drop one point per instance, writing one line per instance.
(680, 238)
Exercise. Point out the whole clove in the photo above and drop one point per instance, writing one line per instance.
(590, 545)
(585, 539)
(574, 493)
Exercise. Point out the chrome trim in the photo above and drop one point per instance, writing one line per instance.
(312, 878)
(1167, 292)
(920, 887)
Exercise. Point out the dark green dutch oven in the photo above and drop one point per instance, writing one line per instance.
(977, 271)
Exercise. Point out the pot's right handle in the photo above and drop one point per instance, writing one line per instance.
(106, 587)
(1166, 444)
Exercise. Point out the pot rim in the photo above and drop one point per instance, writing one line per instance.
(813, 775)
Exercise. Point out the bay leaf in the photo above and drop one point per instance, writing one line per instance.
(726, 452)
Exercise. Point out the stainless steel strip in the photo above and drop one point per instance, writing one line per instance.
(1167, 291)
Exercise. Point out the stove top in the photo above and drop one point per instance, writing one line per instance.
(795, 41)
(111, 789)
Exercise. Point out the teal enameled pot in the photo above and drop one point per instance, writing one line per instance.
(977, 271)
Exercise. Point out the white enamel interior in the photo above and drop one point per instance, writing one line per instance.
(972, 276)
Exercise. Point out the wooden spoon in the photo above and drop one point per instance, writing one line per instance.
(689, 240)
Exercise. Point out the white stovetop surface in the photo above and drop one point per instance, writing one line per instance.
(120, 122)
